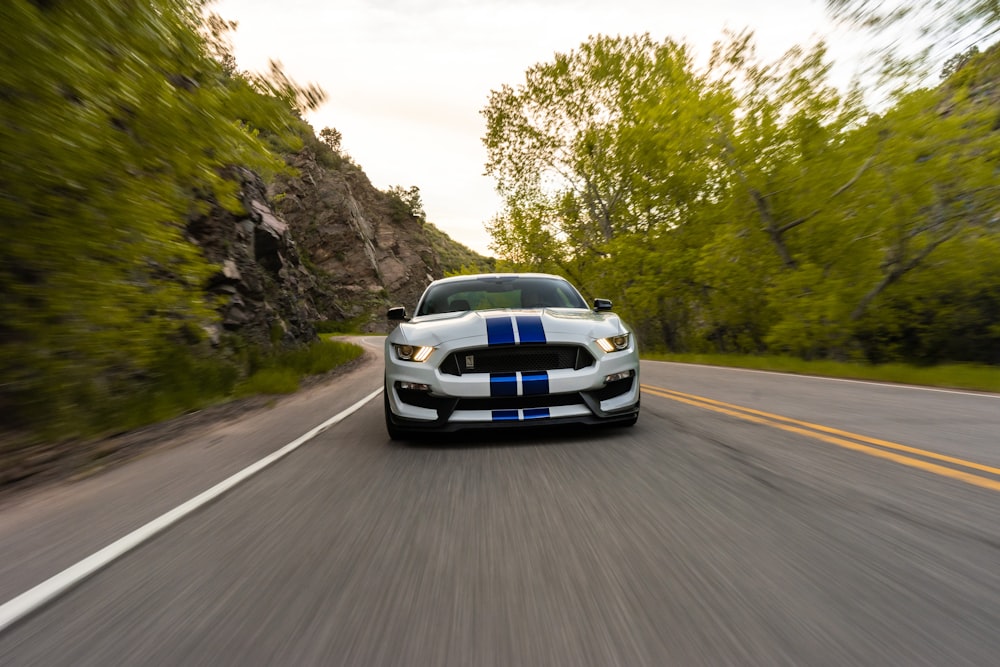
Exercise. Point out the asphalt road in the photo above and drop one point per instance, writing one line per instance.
(747, 519)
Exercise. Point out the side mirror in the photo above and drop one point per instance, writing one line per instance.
(397, 313)
(602, 305)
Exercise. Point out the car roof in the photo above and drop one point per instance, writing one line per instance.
(474, 276)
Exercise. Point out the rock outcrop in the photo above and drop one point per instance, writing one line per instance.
(265, 290)
(319, 245)
(367, 250)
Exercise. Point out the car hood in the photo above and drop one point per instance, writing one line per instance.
(538, 325)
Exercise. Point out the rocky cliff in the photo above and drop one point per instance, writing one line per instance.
(365, 247)
(320, 244)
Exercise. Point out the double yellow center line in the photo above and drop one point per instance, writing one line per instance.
(948, 466)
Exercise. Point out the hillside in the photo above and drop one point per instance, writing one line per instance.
(366, 249)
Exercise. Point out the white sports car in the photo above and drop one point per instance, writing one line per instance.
(504, 350)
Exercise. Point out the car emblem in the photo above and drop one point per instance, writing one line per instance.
(470, 361)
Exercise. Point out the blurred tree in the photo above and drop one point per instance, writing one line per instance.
(787, 168)
(216, 30)
(912, 37)
(958, 61)
(115, 125)
(936, 18)
(276, 84)
(949, 311)
(936, 180)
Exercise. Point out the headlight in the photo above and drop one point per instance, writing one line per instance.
(614, 343)
(416, 353)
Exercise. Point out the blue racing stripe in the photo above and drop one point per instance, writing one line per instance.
(500, 331)
(503, 384)
(535, 383)
(536, 413)
(506, 415)
(529, 329)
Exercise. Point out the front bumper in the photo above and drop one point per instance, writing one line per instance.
(516, 398)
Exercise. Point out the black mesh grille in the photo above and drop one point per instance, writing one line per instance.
(516, 358)
(517, 402)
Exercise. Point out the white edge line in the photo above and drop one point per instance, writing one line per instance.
(31, 600)
(874, 383)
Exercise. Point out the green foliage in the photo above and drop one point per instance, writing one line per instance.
(175, 380)
(405, 204)
(752, 207)
(332, 138)
(269, 381)
(181, 379)
(951, 311)
(599, 156)
(281, 373)
(958, 61)
(564, 146)
(322, 148)
(336, 326)
(488, 266)
(117, 124)
(455, 258)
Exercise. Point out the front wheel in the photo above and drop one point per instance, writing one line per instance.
(635, 417)
(395, 432)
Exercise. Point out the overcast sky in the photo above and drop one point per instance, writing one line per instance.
(406, 79)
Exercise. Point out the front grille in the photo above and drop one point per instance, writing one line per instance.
(518, 402)
(508, 358)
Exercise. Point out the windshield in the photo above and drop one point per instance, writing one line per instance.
(487, 292)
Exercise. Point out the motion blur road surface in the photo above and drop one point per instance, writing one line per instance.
(748, 518)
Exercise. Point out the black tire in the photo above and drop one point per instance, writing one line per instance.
(395, 433)
(629, 422)
(635, 417)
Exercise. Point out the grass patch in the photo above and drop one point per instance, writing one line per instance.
(952, 376)
(269, 381)
(350, 326)
(178, 381)
(281, 373)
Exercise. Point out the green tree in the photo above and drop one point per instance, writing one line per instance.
(594, 154)
(751, 207)
(332, 138)
(935, 19)
(117, 125)
(948, 311)
(936, 181)
(787, 168)
(407, 202)
(577, 137)
(851, 204)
